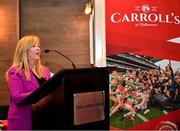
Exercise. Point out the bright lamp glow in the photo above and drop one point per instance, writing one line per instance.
(88, 8)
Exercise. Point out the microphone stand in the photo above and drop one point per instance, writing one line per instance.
(46, 51)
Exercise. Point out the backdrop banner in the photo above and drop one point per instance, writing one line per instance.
(143, 27)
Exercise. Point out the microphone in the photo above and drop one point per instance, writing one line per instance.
(47, 51)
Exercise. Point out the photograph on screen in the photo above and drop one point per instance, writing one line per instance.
(141, 89)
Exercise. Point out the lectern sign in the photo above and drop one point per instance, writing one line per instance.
(88, 107)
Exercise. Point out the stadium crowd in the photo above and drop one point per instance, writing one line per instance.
(135, 90)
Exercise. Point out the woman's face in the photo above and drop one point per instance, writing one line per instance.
(34, 53)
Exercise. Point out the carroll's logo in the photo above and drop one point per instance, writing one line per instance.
(166, 125)
(145, 8)
(145, 15)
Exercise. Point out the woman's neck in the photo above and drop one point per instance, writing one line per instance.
(32, 66)
(33, 69)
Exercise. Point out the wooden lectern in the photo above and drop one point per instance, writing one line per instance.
(72, 99)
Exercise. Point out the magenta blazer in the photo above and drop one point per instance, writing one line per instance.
(20, 117)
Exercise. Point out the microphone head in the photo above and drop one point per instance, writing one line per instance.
(46, 51)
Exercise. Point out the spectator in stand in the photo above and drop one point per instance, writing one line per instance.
(177, 73)
(177, 91)
(168, 71)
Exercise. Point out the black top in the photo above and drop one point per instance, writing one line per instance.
(40, 81)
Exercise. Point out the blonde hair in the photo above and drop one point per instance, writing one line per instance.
(20, 60)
